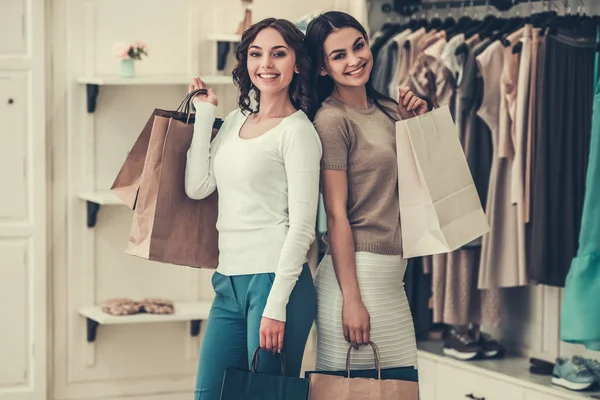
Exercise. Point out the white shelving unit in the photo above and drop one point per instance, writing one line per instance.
(224, 37)
(108, 80)
(96, 199)
(104, 198)
(194, 313)
(93, 83)
(89, 82)
(442, 377)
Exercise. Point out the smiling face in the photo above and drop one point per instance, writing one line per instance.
(271, 62)
(348, 59)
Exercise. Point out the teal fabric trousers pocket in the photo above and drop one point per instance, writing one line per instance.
(232, 329)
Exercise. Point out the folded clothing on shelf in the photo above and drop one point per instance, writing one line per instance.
(126, 306)
(158, 306)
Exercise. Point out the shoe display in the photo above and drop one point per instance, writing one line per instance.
(461, 346)
(592, 365)
(572, 374)
(491, 348)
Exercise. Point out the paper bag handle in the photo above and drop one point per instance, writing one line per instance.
(255, 361)
(187, 99)
(187, 103)
(375, 356)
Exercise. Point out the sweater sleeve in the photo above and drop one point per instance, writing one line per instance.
(199, 177)
(336, 137)
(301, 157)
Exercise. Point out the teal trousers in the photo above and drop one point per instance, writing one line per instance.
(232, 329)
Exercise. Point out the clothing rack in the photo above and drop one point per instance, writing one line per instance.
(410, 7)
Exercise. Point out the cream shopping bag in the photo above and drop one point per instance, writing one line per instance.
(440, 210)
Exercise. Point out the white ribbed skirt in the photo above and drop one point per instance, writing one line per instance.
(380, 278)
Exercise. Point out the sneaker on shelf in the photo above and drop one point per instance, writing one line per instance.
(491, 348)
(572, 374)
(461, 346)
(592, 365)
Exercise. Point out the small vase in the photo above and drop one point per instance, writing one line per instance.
(127, 69)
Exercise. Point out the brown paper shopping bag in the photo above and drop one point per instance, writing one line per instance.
(440, 210)
(127, 181)
(167, 225)
(332, 387)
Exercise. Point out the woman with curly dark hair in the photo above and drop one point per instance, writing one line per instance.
(265, 164)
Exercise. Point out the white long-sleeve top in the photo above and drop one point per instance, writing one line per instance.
(268, 196)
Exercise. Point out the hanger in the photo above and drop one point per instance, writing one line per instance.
(449, 21)
(436, 22)
(462, 23)
(489, 21)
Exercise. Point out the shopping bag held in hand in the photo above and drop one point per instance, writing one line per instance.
(167, 225)
(330, 387)
(440, 210)
(250, 385)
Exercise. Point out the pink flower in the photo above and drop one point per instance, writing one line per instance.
(141, 44)
(121, 50)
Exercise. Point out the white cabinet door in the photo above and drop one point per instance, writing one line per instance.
(13, 20)
(533, 395)
(427, 378)
(23, 278)
(456, 384)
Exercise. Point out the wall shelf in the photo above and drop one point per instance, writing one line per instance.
(93, 83)
(194, 313)
(224, 37)
(96, 199)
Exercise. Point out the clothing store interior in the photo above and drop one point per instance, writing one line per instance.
(512, 315)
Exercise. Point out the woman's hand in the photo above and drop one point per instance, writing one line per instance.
(271, 335)
(356, 322)
(211, 97)
(409, 104)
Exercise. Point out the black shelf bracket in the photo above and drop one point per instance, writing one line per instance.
(92, 96)
(92, 213)
(195, 325)
(92, 330)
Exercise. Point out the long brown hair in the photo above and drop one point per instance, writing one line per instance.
(317, 31)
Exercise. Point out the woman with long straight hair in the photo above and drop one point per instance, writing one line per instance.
(265, 164)
(359, 282)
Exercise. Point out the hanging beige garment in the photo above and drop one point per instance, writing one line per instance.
(456, 299)
(502, 255)
(519, 132)
(430, 79)
(408, 55)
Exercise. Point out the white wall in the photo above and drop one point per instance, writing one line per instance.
(89, 266)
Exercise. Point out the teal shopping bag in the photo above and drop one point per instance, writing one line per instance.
(241, 384)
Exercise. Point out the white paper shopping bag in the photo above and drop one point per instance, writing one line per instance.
(440, 210)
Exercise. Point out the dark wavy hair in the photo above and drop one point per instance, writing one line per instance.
(316, 33)
(301, 96)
